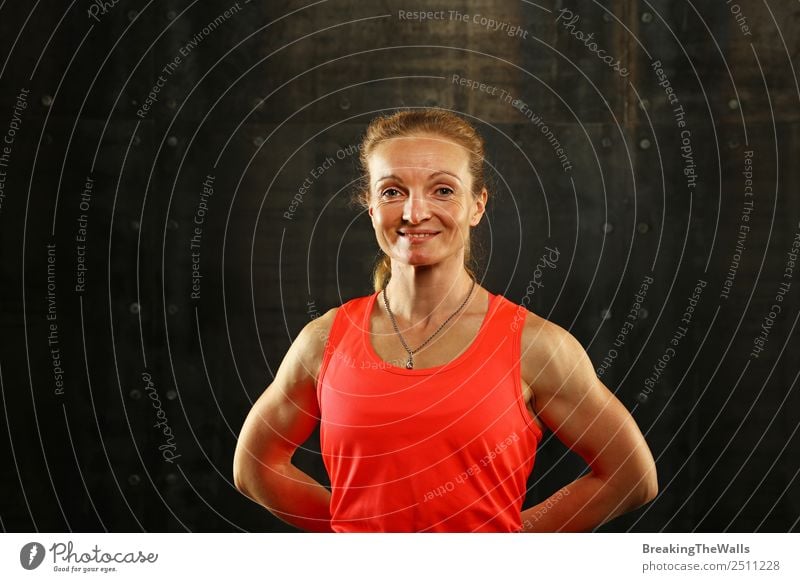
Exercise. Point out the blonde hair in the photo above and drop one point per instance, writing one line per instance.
(414, 122)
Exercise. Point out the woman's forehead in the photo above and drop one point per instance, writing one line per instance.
(419, 153)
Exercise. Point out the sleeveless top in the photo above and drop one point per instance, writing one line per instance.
(441, 449)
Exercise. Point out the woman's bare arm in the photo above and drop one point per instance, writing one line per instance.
(572, 401)
(281, 420)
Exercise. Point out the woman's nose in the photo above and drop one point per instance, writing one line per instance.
(416, 208)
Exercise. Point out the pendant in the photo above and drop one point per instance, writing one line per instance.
(409, 363)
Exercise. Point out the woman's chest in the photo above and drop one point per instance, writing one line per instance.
(430, 347)
(358, 395)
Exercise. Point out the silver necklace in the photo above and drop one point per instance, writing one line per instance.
(410, 361)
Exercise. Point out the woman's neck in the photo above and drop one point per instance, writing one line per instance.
(430, 293)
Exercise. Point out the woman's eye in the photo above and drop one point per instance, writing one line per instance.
(390, 192)
(444, 191)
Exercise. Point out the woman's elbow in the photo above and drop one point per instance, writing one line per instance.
(246, 470)
(648, 486)
(239, 473)
(252, 471)
(636, 488)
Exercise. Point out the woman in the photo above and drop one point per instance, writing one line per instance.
(432, 392)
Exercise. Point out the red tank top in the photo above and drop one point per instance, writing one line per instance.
(441, 449)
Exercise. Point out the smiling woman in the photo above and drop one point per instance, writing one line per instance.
(444, 442)
(413, 141)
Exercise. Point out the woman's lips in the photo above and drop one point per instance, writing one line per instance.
(418, 237)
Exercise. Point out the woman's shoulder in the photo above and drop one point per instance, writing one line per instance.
(545, 345)
(319, 328)
(537, 332)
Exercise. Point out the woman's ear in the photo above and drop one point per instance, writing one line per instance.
(479, 207)
(370, 207)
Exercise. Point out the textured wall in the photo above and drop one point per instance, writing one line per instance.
(152, 142)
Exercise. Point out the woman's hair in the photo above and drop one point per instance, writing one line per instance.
(418, 122)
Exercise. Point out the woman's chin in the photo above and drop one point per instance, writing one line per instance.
(419, 258)
(416, 259)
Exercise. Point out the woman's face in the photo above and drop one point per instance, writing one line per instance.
(422, 185)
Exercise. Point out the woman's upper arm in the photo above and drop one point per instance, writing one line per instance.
(287, 412)
(572, 401)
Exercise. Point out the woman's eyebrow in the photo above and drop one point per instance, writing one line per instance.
(444, 172)
(434, 174)
(389, 177)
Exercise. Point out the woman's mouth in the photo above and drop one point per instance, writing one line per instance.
(416, 237)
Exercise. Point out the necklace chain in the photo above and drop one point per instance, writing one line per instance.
(410, 361)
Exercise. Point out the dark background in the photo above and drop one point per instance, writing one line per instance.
(260, 100)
